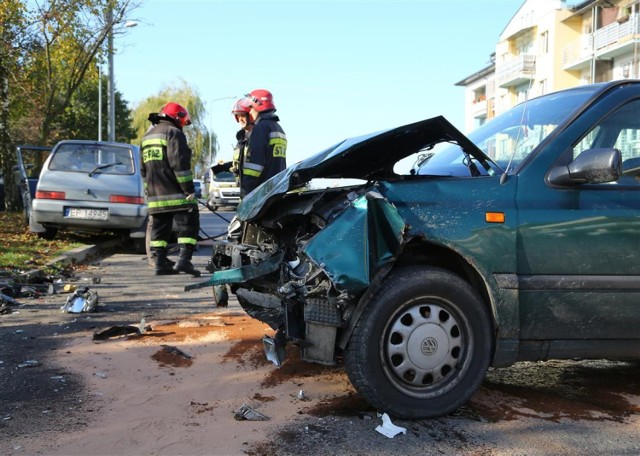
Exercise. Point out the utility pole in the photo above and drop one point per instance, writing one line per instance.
(111, 100)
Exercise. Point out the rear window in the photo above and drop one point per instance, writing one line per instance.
(91, 158)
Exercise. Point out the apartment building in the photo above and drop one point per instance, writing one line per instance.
(549, 45)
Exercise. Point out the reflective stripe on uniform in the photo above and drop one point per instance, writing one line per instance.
(184, 176)
(251, 169)
(177, 199)
(158, 244)
(154, 142)
(278, 141)
(187, 240)
(171, 203)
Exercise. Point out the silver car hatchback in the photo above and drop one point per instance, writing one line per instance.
(90, 186)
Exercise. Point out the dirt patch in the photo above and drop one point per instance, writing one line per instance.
(177, 386)
(556, 390)
(171, 356)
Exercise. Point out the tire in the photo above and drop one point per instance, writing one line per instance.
(422, 346)
(140, 246)
(48, 234)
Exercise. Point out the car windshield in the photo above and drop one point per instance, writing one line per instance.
(509, 138)
(92, 159)
(224, 176)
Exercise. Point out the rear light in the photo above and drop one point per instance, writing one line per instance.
(126, 199)
(41, 194)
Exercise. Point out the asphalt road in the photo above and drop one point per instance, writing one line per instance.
(546, 408)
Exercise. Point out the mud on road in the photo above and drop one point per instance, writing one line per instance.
(174, 389)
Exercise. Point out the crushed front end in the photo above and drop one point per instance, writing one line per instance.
(304, 266)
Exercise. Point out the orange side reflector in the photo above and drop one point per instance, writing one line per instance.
(126, 199)
(494, 217)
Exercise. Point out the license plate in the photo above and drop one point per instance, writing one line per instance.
(87, 214)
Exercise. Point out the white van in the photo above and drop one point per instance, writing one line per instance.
(223, 190)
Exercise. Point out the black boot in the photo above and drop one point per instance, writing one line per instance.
(163, 265)
(184, 261)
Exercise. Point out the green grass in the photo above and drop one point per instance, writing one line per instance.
(21, 250)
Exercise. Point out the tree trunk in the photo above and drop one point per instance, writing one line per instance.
(7, 155)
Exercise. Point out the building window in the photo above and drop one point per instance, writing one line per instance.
(544, 43)
(542, 87)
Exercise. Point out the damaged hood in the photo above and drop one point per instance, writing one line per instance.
(368, 157)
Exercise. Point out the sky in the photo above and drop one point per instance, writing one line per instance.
(337, 69)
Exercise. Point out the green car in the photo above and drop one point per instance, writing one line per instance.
(418, 257)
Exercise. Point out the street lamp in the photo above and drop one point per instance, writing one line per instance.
(111, 101)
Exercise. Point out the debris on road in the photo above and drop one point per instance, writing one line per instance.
(169, 355)
(8, 299)
(118, 331)
(388, 429)
(30, 363)
(82, 300)
(247, 413)
(175, 351)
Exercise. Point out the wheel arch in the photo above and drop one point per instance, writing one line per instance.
(418, 251)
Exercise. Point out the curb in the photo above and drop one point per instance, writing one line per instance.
(74, 256)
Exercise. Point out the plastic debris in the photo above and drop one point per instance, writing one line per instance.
(175, 351)
(301, 395)
(247, 413)
(388, 429)
(82, 300)
(8, 299)
(274, 348)
(101, 374)
(30, 363)
(119, 331)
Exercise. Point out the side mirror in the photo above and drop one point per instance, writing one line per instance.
(592, 166)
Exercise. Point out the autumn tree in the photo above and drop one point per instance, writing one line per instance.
(80, 119)
(12, 41)
(47, 47)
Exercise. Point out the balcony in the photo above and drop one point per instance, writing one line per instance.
(479, 108)
(516, 71)
(608, 42)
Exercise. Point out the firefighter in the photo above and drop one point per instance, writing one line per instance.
(241, 112)
(168, 180)
(266, 155)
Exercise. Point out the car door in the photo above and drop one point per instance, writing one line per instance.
(579, 245)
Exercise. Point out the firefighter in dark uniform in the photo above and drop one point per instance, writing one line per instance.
(266, 155)
(240, 111)
(261, 157)
(168, 180)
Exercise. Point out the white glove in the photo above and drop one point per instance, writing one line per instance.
(191, 196)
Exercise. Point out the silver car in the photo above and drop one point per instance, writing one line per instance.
(90, 186)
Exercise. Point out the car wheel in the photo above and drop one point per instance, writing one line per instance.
(140, 246)
(422, 346)
(48, 233)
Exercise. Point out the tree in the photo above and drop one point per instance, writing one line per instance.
(80, 119)
(12, 26)
(198, 136)
(47, 47)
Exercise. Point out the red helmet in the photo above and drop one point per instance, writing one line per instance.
(177, 113)
(242, 106)
(261, 100)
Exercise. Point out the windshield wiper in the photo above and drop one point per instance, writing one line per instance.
(106, 165)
